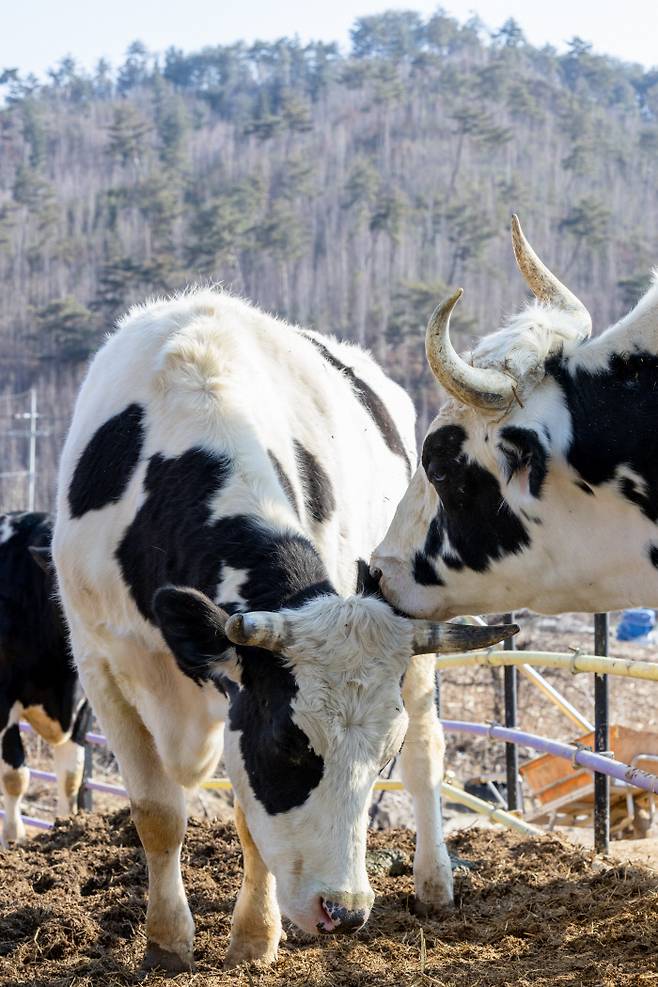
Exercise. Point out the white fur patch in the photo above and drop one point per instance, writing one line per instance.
(229, 588)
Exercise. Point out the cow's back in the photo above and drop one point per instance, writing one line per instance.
(202, 409)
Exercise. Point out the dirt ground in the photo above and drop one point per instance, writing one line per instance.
(529, 912)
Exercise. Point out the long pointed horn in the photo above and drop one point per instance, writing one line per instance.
(482, 387)
(446, 637)
(258, 629)
(543, 283)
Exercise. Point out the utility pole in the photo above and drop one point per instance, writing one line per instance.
(31, 473)
(32, 462)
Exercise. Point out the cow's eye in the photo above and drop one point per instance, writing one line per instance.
(435, 475)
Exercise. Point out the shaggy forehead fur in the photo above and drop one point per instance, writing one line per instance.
(348, 658)
(523, 346)
(356, 636)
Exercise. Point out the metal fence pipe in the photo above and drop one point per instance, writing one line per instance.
(574, 662)
(556, 698)
(577, 755)
(30, 821)
(601, 739)
(511, 750)
(484, 808)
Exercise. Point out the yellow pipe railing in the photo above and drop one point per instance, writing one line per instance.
(448, 791)
(571, 662)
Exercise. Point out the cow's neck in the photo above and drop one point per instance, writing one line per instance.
(281, 569)
(613, 413)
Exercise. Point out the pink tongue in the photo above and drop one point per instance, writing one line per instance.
(329, 925)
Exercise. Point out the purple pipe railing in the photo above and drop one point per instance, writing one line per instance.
(92, 738)
(101, 786)
(95, 786)
(30, 821)
(577, 755)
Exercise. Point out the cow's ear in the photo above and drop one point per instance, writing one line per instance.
(193, 627)
(43, 557)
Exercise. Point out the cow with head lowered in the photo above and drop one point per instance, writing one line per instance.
(224, 478)
(37, 680)
(538, 485)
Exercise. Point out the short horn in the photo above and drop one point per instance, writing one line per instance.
(543, 283)
(485, 388)
(258, 630)
(446, 637)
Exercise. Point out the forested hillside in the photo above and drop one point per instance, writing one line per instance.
(341, 190)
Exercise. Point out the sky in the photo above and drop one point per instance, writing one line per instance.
(36, 34)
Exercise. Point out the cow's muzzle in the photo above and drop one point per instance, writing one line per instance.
(340, 919)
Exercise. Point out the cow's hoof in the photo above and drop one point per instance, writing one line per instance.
(435, 909)
(157, 958)
(12, 837)
(263, 951)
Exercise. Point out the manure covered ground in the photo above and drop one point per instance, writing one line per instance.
(533, 912)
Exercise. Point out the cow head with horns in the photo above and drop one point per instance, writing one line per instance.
(310, 728)
(538, 485)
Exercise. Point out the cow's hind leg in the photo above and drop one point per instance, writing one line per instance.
(70, 763)
(256, 925)
(159, 813)
(69, 767)
(15, 779)
(422, 774)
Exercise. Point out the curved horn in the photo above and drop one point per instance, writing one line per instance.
(430, 636)
(258, 630)
(482, 387)
(543, 283)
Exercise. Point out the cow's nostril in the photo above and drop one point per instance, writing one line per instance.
(342, 919)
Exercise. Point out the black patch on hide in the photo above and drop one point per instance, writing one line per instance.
(318, 491)
(613, 417)
(284, 480)
(523, 450)
(473, 512)
(169, 541)
(283, 769)
(173, 540)
(370, 401)
(424, 572)
(13, 752)
(108, 462)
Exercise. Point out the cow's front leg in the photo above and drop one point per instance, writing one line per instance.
(15, 780)
(159, 812)
(69, 760)
(256, 925)
(422, 774)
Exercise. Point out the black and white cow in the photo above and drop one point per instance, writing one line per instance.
(37, 680)
(539, 479)
(223, 475)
